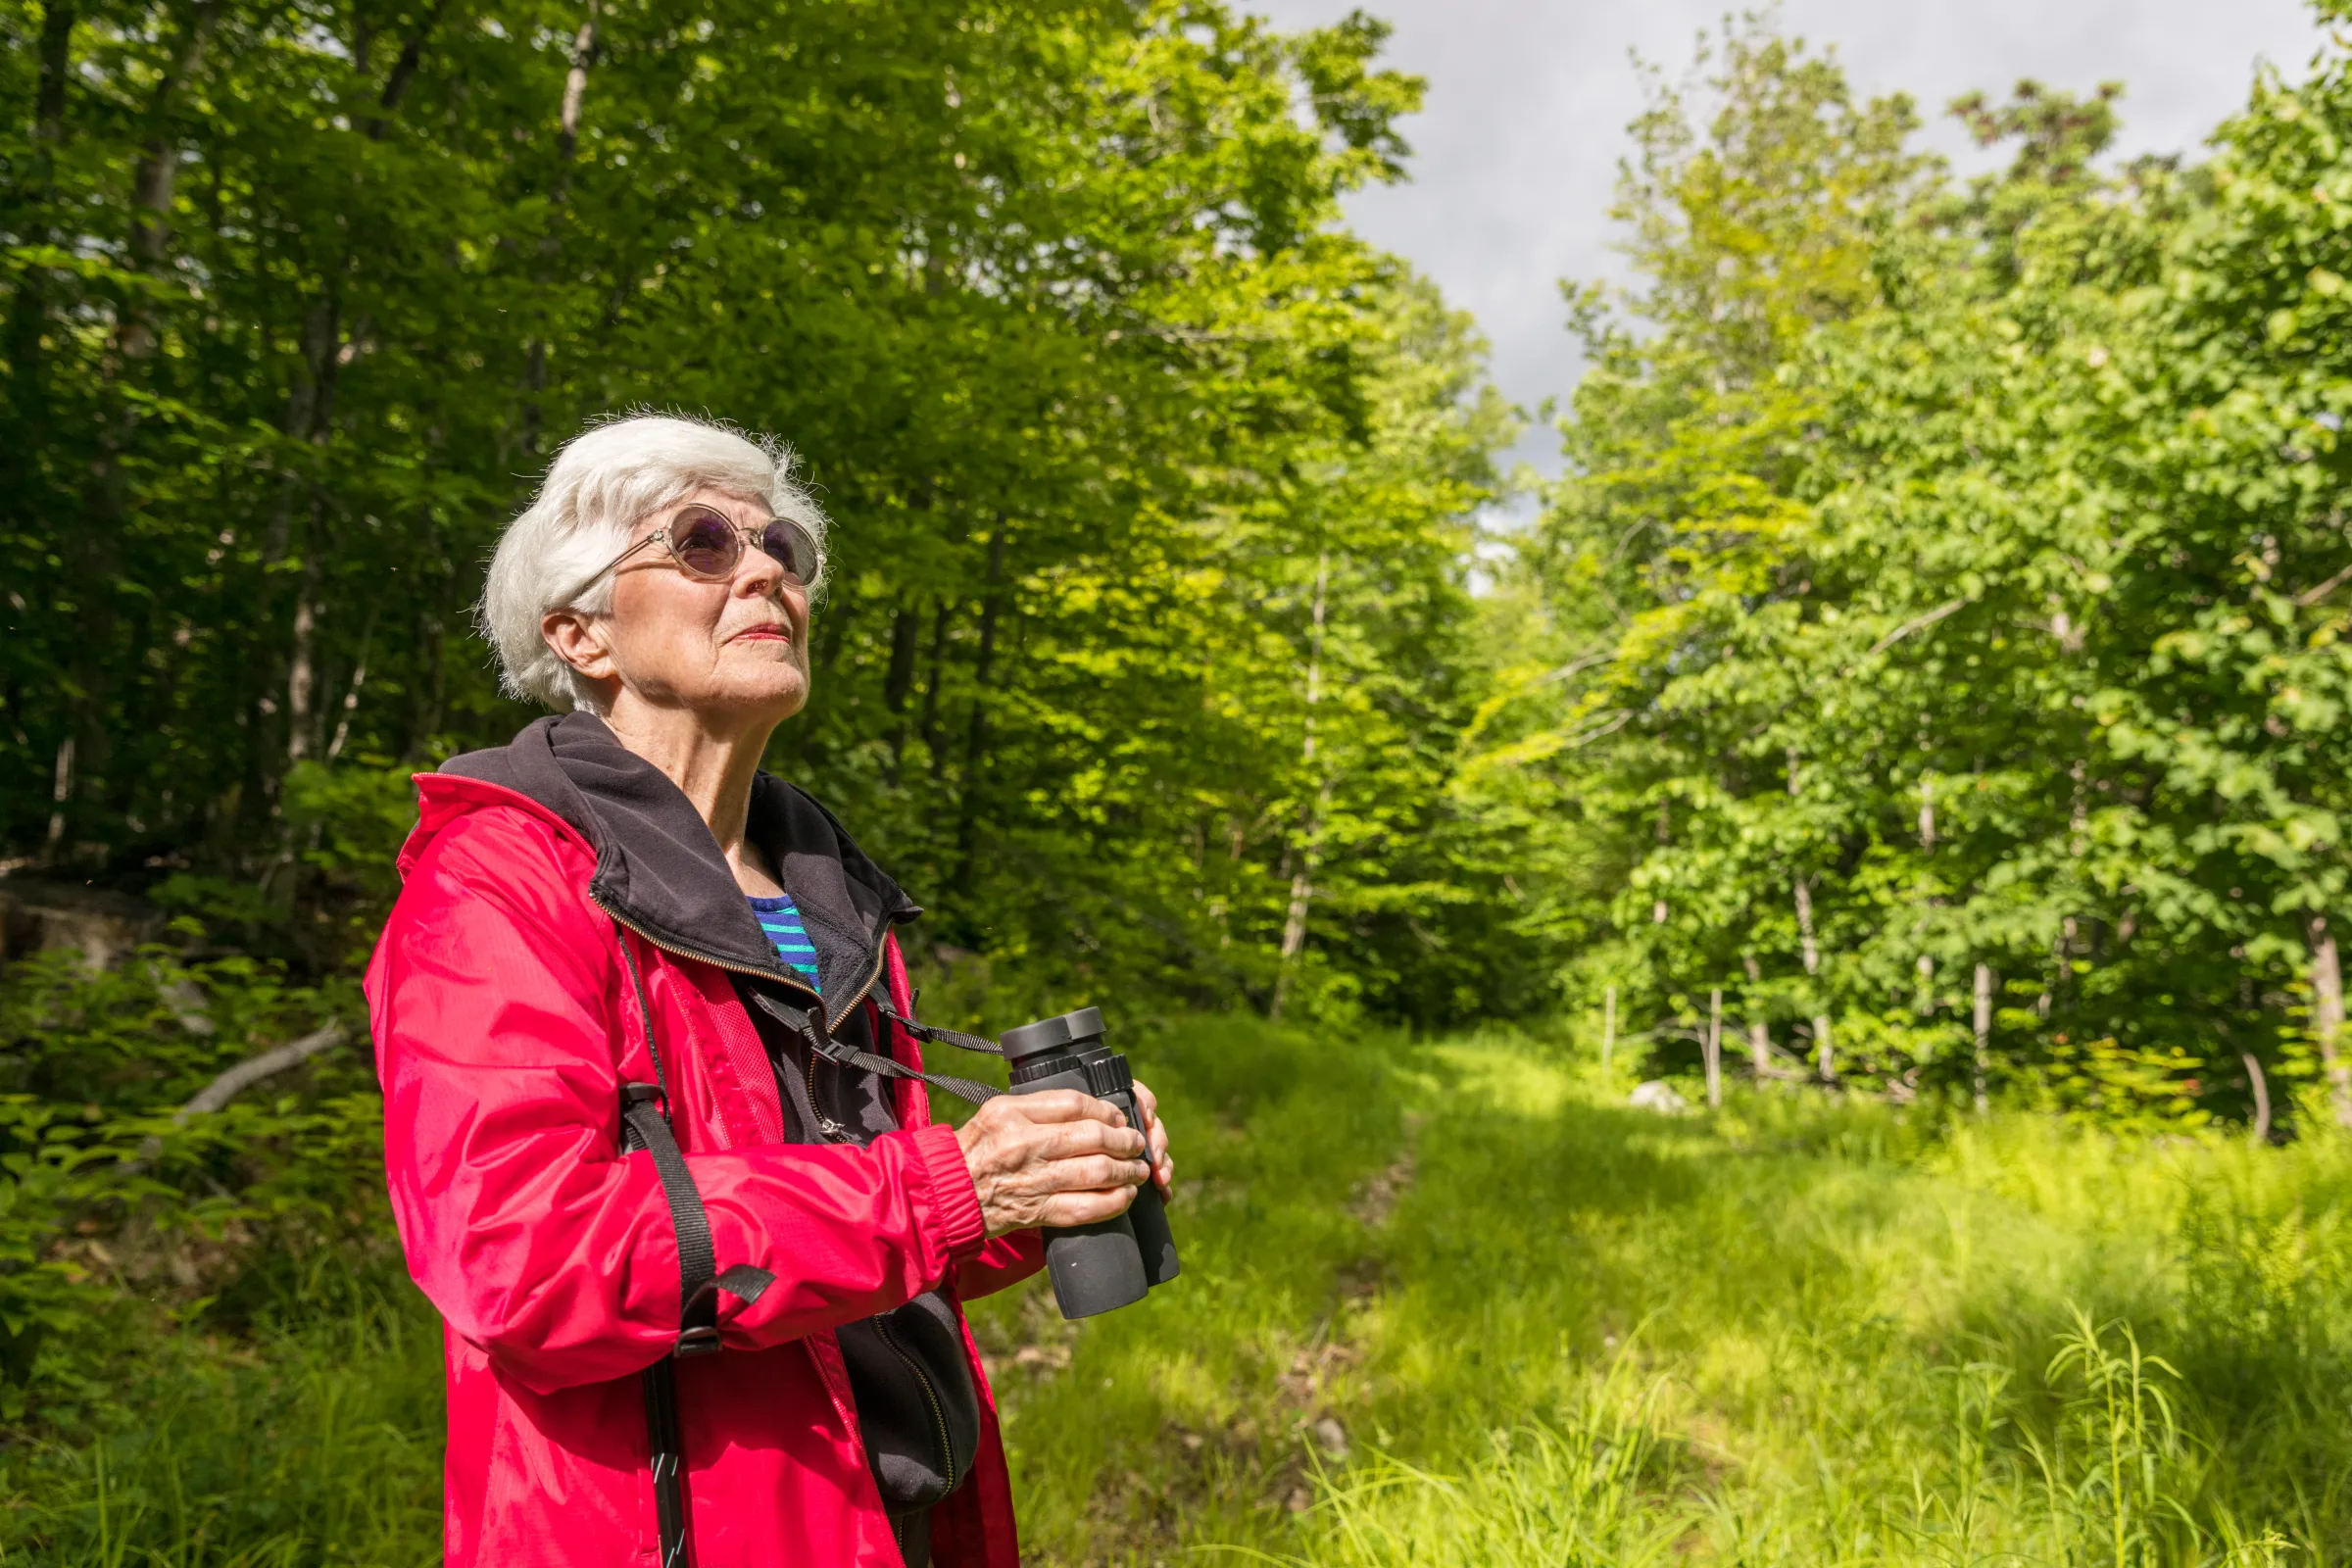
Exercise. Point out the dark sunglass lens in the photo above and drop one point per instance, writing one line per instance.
(792, 548)
(707, 544)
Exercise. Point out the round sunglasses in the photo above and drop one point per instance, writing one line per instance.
(707, 544)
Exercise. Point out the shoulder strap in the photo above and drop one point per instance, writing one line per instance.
(797, 1020)
(644, 1123)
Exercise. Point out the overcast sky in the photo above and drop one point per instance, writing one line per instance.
(1516, 150)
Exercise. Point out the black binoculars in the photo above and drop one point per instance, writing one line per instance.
(1112, 1262)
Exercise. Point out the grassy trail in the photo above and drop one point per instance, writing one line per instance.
(1454, 1305)
(1544, 1329)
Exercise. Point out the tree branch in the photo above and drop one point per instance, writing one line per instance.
(1916, 623)
(234, 1082)
(2312, 596)
(245, 1074)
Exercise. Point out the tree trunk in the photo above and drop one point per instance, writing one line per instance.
(28, 311)
(157, 173)
(351, 706)
(61, 790)
(1984, 1029)
(1759, 1033)
(2328, 1017)
(1825, 1052)
(975, 735)
(404, 71)
(310, 416)
(1302, 880)
(1715, 1049)
(105, 505)
(1608, 1029)
(568, 146)
(938, 656)
(2260, 1132)
(898, 680)
(302, 672)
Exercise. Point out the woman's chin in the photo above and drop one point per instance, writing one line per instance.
(776, 694)
(762, 674)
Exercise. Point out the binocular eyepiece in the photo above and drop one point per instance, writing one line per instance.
(1112, 1262)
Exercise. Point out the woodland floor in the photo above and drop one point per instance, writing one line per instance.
(1453, 1304)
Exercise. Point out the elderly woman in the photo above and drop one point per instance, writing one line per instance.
(655, 1118)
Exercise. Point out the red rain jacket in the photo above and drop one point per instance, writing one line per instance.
(503, 1028)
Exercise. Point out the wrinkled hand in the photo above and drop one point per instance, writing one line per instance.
(1057, 1158)
(1164, 1169)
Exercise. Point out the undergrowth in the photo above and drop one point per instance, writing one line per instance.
(1456, 1304)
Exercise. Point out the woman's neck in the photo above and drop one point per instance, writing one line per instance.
(714, 767)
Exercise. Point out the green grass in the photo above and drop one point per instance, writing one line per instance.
(1454, 1304)
(1797, 1332)
(296, 1445)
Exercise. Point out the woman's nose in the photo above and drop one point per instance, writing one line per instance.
(761, 572)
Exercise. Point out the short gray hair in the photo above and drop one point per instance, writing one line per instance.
(604, 481)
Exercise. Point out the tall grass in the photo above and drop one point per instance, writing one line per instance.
(1455, 1304)
(311, 1441)
(2116, 1486)
(1797, 1332)
(1579, 1492)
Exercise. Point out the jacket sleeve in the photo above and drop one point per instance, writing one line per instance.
(495, 1003)
(1000, 1264)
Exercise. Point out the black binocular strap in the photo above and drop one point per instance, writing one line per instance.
(930, 1032)
(645, 1119)
(841, 1056)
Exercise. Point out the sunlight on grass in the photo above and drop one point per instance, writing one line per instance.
(1851, 1334)
(1456, 1306)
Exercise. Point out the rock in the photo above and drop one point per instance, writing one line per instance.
(1658, 1095)
(104, 927)
(1332, 1437)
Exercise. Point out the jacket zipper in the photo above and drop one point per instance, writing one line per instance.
(939, 1415)
(826, 1126)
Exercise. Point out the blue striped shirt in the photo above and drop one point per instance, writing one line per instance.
(781, 920)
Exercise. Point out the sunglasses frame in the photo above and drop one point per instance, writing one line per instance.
(746, 539)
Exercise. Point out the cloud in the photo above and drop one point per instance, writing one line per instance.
(1516, 151)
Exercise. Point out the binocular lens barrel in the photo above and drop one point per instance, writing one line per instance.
(1109, 1264)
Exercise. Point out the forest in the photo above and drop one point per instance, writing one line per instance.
(1915, 731)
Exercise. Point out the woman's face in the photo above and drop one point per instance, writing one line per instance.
(734, 651)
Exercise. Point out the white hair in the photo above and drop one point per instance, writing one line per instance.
(605, 482)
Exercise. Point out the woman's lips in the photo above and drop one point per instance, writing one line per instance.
(760, 635)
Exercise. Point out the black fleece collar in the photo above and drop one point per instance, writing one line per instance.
(659, 870)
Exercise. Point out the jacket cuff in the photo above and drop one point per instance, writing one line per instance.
(955, 1201)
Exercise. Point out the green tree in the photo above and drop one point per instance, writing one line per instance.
(1938, 605)
(1053, 297)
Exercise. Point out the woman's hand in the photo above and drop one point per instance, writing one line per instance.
(1057, 1158)
(1164, 1169)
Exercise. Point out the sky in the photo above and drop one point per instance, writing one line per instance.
(1516, 149)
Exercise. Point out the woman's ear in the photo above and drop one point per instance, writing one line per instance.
(579, 641)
